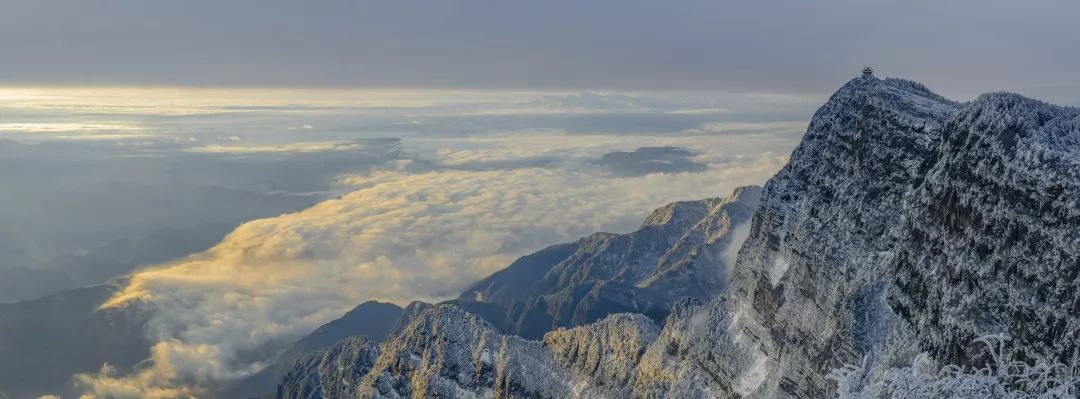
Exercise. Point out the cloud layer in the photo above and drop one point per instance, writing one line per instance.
(645, 160)
(399, 235)
(431, 190)
(165, 145)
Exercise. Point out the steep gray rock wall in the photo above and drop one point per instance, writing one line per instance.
(810, 284)
(993, 241)
(905, 223)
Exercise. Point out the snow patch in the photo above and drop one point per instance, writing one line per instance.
(753, 377)
(777, 270)
(739, 233)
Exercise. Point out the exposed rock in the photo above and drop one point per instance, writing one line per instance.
(992, 243)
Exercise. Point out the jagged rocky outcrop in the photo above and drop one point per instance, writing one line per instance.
(446, 352)
(607, 350)
(904, 223)
(681, 250)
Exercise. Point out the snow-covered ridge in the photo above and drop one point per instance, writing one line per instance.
(682, 249)
(444, 352)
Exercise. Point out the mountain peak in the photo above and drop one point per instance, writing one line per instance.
(681, 250)
(681, 213)
(745, 194)
(676, 213)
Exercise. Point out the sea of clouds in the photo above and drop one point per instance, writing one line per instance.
(416, 200)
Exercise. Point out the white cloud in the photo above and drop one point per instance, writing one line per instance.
(318, 146)
(748, 127)
(101, 137)
(60, 127)
(75, 131)
(699, 111)
(396, 237)
(180, 101)
(712, 148)
(420, 232)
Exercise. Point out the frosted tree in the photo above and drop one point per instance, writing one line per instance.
(1003, 377)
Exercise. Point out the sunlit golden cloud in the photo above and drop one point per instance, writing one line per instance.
(178, 101)
(748, 127)
(477, 179)
(61, 127)
(397, 236)
(282, 148)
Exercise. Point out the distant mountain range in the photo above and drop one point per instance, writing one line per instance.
(43, 342)
(681, 250)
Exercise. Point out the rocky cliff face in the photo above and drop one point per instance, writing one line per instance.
(810, 287)
(992, 241)
(904, 223)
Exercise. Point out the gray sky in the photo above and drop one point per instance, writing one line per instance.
(960, 47)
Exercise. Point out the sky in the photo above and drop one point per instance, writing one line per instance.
(261, 167)
(961, 47)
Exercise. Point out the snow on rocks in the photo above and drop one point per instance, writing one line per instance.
(904, 223)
